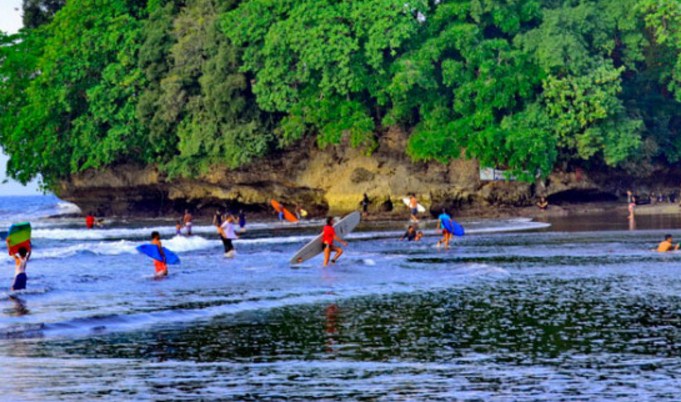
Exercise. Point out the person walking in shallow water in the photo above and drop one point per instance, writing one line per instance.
(187, 219)
(328, 237)
(227, 234)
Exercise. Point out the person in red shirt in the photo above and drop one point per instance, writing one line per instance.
(328, 236)
(90, 221)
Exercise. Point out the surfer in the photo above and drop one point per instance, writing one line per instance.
(160, 267)
(328, 237)
(227, 234)
(187, 219)
(446, 235)
(413, 207)
(666, 245)
(410, 234)
(20, 262)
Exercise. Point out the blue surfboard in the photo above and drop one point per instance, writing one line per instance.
(151, 250)
(453, 227)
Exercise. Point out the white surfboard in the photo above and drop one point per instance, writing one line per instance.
(419, 207)
(314, 247)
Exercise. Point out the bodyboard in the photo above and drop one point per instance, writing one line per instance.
(419, 207)
(314, 247)
(287, 214)
(18, 236)
(151, 250)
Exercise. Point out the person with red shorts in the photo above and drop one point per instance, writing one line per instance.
(328, 237)
(160, 267)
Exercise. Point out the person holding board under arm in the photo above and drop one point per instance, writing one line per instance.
(328, 237)
(160, 267)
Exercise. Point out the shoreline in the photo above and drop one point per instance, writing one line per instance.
(399, 214)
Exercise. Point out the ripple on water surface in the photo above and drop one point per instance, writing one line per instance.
(535, 316)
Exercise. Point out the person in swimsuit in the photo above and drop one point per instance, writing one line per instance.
(666, 245)
(413, 208)
(446, 236)
(20, 262)
(328, 237)
(227, 234)
(178, 228)
(410, 234)
(419, 236)
(187, 219)
(160, 267)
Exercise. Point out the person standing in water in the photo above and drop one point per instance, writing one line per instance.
(328, 237)
(446, 236)
(178, 228)
(227, 234)
(160, 267)
(90, 221)
(242, 220)
(187, 219)
(20, 262)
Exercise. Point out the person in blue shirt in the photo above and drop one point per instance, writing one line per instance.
(446, 234)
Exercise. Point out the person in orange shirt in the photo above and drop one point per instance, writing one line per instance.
(667, 245)
(160, 267)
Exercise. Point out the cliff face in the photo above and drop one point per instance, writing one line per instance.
(319, 180)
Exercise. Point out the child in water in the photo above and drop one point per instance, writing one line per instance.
(160, 267)
(178, 228)
(20, 262)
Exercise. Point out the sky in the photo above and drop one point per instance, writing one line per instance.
(10, 22)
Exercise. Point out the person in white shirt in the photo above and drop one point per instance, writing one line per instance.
(227, 234)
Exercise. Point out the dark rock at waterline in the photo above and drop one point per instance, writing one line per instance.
(334, 180)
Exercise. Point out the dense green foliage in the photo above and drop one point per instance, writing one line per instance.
(191, 84)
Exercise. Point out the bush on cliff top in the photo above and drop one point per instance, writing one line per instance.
(188, 85)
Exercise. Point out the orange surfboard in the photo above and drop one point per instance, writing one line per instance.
(287, 214)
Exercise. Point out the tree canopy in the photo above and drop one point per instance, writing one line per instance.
(192, 84)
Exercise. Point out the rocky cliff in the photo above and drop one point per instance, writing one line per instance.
(333, 180)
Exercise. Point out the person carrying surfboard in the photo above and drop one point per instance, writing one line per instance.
(20, 262)
(446, 235)
(328, 237)
(413, 207)
(160, 267)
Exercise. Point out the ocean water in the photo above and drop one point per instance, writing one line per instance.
(571, 310)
